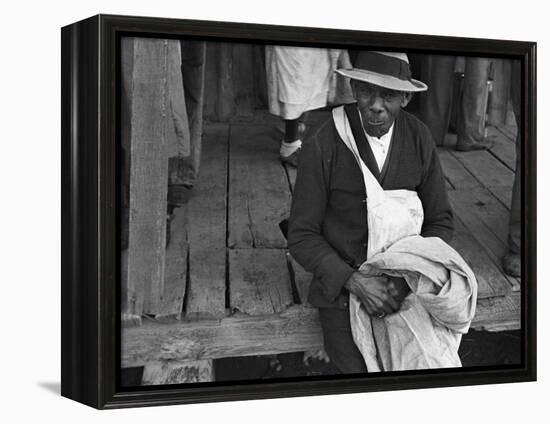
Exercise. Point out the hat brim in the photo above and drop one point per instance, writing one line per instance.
(385, 81)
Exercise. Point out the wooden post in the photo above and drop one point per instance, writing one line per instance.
(147, 80)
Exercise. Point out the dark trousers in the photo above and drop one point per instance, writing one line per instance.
(435, 104)
(339, 343)
(193, 65)
(471, 124)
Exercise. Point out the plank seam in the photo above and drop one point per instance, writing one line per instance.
(487, 187)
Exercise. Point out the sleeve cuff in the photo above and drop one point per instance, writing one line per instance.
(333, 273)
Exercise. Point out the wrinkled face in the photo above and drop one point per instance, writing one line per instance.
(378, 106)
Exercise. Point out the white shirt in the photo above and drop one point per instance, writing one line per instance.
(380, 147)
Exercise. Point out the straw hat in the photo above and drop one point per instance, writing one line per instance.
(389, 70)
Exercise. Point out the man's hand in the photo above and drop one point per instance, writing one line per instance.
(398, 289)
(373, 293)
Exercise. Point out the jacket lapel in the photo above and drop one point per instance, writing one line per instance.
(389, 171)
(361, 140)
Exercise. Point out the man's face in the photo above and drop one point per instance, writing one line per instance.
(378, 106)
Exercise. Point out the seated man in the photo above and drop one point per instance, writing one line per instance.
(328, 222)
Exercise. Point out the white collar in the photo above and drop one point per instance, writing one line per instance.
(384, 140)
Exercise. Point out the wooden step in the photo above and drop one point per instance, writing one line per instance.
(294, 330)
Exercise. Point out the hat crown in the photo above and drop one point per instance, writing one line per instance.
(385, 63)
(385, 69)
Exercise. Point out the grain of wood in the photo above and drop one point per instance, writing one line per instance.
(175, 275)
(480, 203)
(207, 230)
(487, 221)
(503, 195)
(455, 172)
(295, 330)
(498, 313)
(259, 196)
(510, 131)
(177, 372)
(502, 148)
(148, 175)
(491, 282)
(259, 283)
(488, 170)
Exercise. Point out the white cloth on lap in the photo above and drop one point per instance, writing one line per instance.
(426, 331)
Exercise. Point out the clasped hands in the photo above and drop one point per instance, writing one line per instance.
(380, 295)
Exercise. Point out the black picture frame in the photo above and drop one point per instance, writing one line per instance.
(90, 311)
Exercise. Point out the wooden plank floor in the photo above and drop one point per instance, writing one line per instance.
(245, 295)
(237, 258)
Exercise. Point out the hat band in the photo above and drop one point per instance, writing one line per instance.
(385, 65)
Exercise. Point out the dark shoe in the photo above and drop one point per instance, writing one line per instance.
(178, 194)
(479, 145)
(511, 262)
(292, 159)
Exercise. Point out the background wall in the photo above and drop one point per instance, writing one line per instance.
(30, 213)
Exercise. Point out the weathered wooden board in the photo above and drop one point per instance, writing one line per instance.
(455, 172)
(487, 169)
(503, 195)
(487, 221)
(259, 196)
(207, 229)
(502, 148)
(302, 279)
(148, 175)
(491, 282)
(177, 372)
(498, 313)
(259, 282)
(297, 329)
(175, 273)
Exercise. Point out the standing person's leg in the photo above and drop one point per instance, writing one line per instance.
(338, 340)
(184, 172)
(471, 126)
(292, 142)
(435, 105)
(512, 260)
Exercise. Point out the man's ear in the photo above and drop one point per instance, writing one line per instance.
(407, 97)
(352, 84)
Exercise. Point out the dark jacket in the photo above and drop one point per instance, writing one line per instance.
(328, 219)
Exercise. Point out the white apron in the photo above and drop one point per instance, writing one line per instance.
(409, 338)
